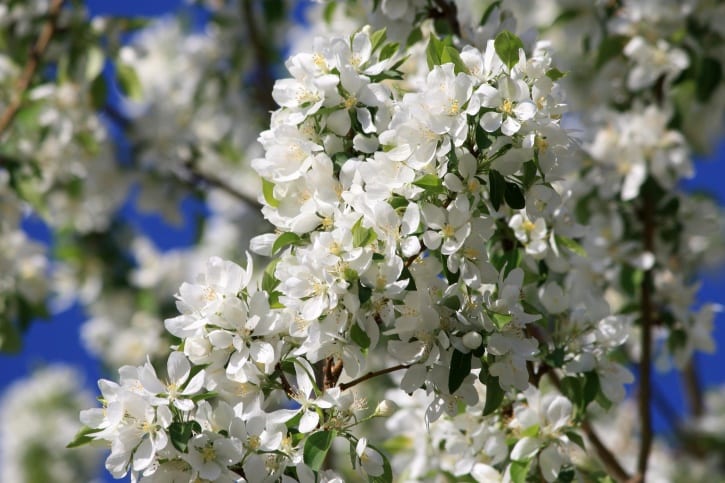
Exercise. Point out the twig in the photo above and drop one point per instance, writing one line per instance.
(610, 462)
(288, 389)
(693, 389)
(265, 82)
(197, 176)
(36, 53)
(370, 375)
(331, 372)
(645, 363)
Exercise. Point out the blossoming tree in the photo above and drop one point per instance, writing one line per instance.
(476, 236)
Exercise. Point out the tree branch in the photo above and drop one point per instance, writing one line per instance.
(647, 322)
(610, 462)
(370, 375)
(265, 82)
(196, 176)
(31, 67)
(693, 389)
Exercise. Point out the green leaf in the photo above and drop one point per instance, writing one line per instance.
(128, 81)
(284, 240)
(82, 437)
(389, 50)
(398, 443)
(489, 10)
(610, 48)
(571, 388)
(431, 183)
(268, 193)
(576, 438)
(483, 141)
(514, 196)
(460, 368)
(99, 92)
(204, 396)
(555, 74)
(450, 54)
(416, 35)
(591, 388)
(387, 476)
(329, 11)
(519, 470)
(359, 336)
(708, 79)
(497, 188)
(507, 47)
(364, 293)
(501, 320)
(180, 434)
(95, 59)
(269, 281)
(434, 51)
(570, 244)
(630, 279)
(362, 236)
(316, 448)
(494, 395)
(274, 10)
(377, 38)
(452, 302)
(10, 340)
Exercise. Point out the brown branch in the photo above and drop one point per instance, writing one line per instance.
(610, 462)
(331, 371)
(31, 67)
(196, 176)
(693, 389)
(370, 375)
(265, 82)
(647, 322)
(288, 389)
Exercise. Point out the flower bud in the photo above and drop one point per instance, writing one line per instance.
(472, 340)
(385, 408)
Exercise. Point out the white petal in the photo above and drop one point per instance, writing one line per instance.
(491, 121)
(178, 367)
(308, 421)
(525, 449)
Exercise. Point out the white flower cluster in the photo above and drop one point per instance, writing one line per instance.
(38, 416)
(418, 225)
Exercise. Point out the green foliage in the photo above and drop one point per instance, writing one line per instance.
(441, 52)
(82, 437)
(316, 448)
(181, 432)
(507, 47)
(460, 368)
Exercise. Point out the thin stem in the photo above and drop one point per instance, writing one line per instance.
(647, 322)
(693, 388)
(288, 389)
(370, 375)
(265, 81)
(610, 462)
(31, 67)
(331, 372)
(196, 175)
